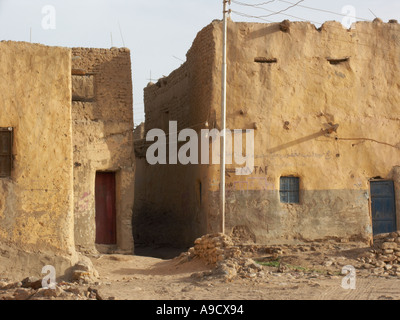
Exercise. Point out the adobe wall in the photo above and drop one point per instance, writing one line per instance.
(36, 203)
(290, 103)
(169, 206)
(310, 79)
(102, 138)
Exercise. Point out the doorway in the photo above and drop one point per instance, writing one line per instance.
(105, 208)
(383, 207)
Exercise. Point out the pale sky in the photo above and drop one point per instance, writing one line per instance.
(158, 32)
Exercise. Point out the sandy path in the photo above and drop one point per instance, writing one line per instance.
(146, 278)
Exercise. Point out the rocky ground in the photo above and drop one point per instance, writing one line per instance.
(219, 268)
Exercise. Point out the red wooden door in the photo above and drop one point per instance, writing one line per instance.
(105, 208)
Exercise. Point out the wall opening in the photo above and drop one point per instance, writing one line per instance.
(333, 61)
(265, 60)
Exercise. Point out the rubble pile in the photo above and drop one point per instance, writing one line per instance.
(239, 267)
(84, 271)
(384, 257)
(31, 289)
(214, 248)
(219, 251)
(231, 260)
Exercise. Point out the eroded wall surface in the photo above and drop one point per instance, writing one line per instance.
(36, 202)
(306, 81)
(102, 138)
(291, 83)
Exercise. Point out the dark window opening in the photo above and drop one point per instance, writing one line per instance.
(5, 152)
(290, 190)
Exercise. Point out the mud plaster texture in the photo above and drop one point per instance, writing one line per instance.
(102, 139)
(36, 202)
(290, 85)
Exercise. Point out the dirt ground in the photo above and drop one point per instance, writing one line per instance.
(302, 273)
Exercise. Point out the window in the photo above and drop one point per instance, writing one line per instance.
(289, 190)
(5, 152)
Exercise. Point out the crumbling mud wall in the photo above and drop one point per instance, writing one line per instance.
(324, 107)
(36, 202)
(102, 117)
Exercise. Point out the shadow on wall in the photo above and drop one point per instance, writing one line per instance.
(154, 229)
(269, 29)
(167, 209)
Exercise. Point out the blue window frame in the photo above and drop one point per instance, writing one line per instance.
(290, 190)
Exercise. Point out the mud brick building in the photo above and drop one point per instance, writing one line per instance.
(324, 104)
(66, 155)
(102, 124)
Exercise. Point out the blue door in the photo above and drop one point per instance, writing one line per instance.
(383, 207)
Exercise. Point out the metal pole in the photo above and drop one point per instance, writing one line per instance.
(223, 118)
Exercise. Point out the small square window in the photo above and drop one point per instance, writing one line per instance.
(289, 190)
(5, 152)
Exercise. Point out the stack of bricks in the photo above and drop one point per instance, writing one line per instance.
(213, 248)
(219, 251)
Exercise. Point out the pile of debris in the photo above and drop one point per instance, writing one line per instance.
(84, 277)
(231, 260)
(214, 248)
(84, 272)
(219, 251)
(384, 257)
(31, 289)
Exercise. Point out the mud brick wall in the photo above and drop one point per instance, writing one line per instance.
(102, 138)
(290, 85)
(36, 202)
(316, 77)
